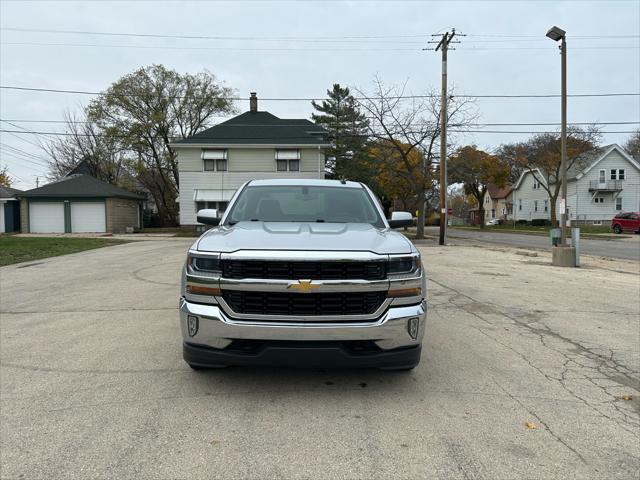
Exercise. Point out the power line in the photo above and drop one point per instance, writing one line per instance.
(290, 38)
(300, 137)
(292, 49)
(209, 37)
(482, 124)
(308, 99)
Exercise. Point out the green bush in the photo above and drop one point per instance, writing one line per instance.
(521, 222)
(540, 222)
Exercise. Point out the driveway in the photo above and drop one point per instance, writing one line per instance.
(623, 248)
(525, 372)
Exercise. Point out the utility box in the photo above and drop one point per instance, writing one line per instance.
(554, 235)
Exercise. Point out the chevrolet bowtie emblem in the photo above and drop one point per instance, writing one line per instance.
(303, 286)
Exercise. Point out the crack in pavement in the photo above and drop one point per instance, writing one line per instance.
(542, 422)
(605, 364)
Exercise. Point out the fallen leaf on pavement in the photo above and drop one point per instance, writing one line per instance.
(531, 426)
(626, 398)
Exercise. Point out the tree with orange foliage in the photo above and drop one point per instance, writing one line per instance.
(393, 176)
(5, 179)
(477, 169)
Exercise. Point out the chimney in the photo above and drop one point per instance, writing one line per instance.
(253, 102)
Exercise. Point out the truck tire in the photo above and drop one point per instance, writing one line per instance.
(617, 229)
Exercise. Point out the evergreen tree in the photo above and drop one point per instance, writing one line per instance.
(347, 127)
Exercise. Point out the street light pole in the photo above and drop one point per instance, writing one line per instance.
(557, 34)
(563, 143)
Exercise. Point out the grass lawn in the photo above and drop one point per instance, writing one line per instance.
(15, 249)
(509, 227)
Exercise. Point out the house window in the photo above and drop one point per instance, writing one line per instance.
(519, 204)
(546, 205)
(598, 200)
(535, 205)
(619, 203)
(504, 211)
(200, 206)
(493, 213)
(601, 177)
(597, 222)
(214, 160)
(536, 184)
(288, 160)
(617, 174)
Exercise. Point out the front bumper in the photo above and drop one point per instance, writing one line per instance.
(323, 343)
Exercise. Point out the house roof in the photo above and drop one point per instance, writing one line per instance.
(8, 192)
(587, 159)
(497, 192)
(261, 128)
(81, 186)
(593, 157)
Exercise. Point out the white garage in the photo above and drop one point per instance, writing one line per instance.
(46, 217)
(88, 217)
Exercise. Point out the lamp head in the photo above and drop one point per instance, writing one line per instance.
(556, 33)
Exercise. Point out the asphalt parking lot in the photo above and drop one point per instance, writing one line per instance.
(528, 371)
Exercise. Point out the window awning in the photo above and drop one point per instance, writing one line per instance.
(200, 195)
(288, 154)
(214, 154)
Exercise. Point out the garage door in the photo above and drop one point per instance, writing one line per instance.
(45, 217)
(87, 217)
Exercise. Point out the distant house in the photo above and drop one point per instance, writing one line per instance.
(601, 184)
(214, 163)
(9, 210)
(497, 203)
(80, 203)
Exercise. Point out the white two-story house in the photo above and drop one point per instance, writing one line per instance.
(603, 183)
(214, 163)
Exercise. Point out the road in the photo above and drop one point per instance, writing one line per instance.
(627, 248)
(525, 372)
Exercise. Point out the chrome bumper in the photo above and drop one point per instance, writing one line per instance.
(217, 330)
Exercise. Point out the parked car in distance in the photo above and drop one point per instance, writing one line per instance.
(303, 273)
(493, 221)
(626, 222)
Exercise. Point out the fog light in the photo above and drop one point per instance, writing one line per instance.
(412, 327)
(192, 325)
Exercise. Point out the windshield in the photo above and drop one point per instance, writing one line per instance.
(292, 203)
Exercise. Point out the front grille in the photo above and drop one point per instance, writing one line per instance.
(312, 270)
(271, 303)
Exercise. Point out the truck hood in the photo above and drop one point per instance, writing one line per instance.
(304, 236)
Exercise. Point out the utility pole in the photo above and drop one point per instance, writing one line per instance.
(443, 46)
(37, 182)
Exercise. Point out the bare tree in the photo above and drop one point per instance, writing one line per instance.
(103, 156)
(408, 125)
(541, 156)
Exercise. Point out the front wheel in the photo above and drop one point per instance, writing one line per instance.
(617, 229)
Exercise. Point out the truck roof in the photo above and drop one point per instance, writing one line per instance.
(310, 182)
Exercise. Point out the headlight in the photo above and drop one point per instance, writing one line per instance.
(404, 265)
(204, 265)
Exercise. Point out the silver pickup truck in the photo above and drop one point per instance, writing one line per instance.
(303, 273)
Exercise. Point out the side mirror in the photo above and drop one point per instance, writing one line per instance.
(400, 219)
(208, 216)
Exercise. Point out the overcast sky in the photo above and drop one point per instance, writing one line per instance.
(505, 52)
